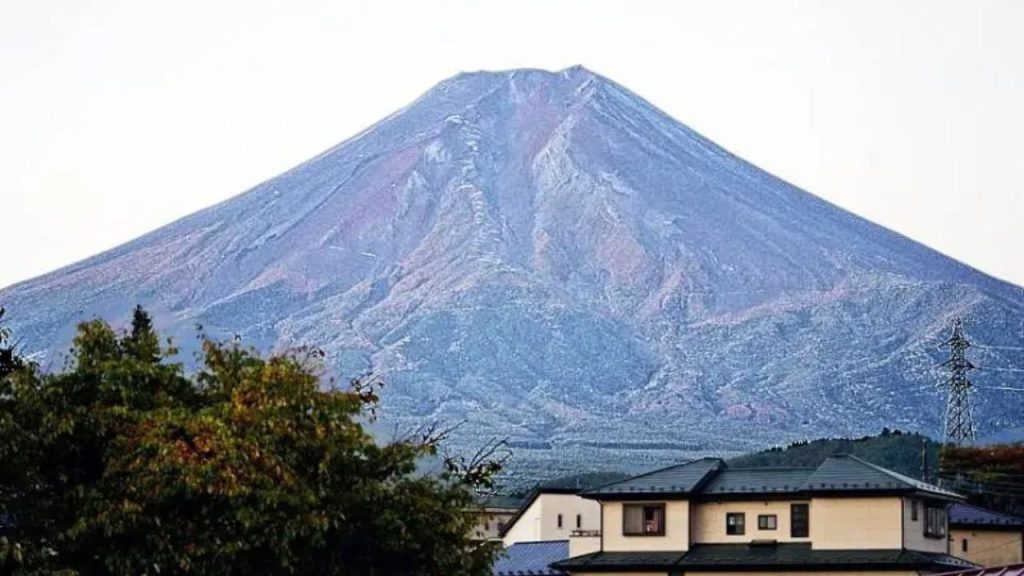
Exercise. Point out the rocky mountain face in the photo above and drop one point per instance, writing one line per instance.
(549, 258)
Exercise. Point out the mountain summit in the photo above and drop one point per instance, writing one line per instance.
(549, 257)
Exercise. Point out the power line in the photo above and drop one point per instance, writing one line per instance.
(990, 347)
(987, 369)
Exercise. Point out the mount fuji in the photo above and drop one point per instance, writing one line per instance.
(547, 257)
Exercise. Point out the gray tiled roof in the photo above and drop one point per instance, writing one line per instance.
(738, 556)
(679, 479)
(599, 561)
(711, 478)
(758, 481)
(847, 473)
(531, 558)
(501, 501)
(962, 514)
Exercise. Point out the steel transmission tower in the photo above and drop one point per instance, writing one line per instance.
(959, 420)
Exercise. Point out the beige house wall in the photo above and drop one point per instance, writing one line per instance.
(913, 531)
(580, 545)
(677, 529)
(856, 523)
(709, 521)
(988, 547)
(527, 527)
(540, 521)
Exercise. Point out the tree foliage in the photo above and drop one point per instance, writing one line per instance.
(123, 464)
(992, 476)
(893, 449)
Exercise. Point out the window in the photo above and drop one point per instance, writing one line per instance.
(643, 519)
(735, 523)
(559, 520)
(487, 525)
(964, 545)
(767, 522)
(935, 521)
(800, 520)
(913, 510)
(579, 521)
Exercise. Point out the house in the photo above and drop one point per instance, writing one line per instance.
(846, 516)
(531, 559)
(553, 514)
(986, 537)
(493, 514)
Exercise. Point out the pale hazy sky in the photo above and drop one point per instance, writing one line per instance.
(119, 116)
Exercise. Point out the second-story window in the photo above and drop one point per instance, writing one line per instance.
(913, 510)
(935, 521)
(559, 520)
(799, 520)
(643, 519)
(579, 521)
(767, 522)
(735, 523)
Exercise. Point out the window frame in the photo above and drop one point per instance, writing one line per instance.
(806, 524)
(935, 522)
(764, 525)
(736, 528)
(643, 511)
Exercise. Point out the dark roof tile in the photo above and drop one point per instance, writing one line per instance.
(531, 558)
(963, 514)
(678, 479)
(717, 556)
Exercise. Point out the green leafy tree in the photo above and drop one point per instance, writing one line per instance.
(122, 464)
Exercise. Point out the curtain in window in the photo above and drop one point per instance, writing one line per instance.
(633, 521)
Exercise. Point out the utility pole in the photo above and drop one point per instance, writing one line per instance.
(959, 420)
(924, 459)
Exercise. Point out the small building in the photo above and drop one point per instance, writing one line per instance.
(493, 515)
(553, 514)
(986, 537)
(846, 516)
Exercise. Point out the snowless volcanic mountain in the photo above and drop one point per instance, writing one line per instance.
(549, 258)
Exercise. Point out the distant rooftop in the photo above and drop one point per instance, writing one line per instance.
(531, 558)
(500, 501)
(711, 477)
(963, 514)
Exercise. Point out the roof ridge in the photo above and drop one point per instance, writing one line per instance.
(555, 541)
(912, 483)
(907, 481)
(770, 468)
(651, 472)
